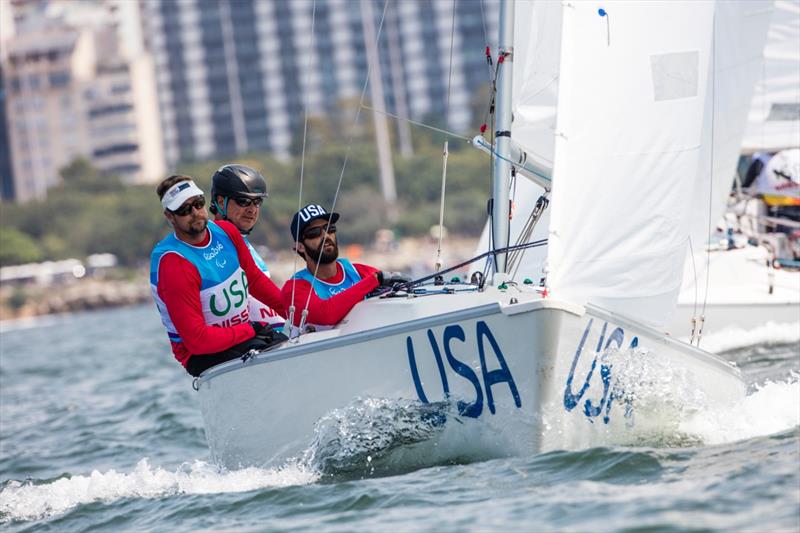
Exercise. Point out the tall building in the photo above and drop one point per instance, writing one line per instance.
(234, 76)
(76, 87)
(6, 172)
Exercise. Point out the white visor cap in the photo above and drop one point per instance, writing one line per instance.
(179, 193)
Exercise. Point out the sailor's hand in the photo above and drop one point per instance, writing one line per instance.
(263, 331)
(390, 279)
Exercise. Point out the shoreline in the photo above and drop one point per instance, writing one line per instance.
(18, 302)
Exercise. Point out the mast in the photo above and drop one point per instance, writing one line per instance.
(379, 119)
(502, 168)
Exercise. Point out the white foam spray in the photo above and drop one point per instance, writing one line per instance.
(27, 501)
(772, 408)
(769, 334)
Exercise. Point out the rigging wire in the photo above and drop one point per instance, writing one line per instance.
(420, 124)
(711, 171)
(694, 310)
(302, 162)
(348, 149)
(438, 262)
(516, 247)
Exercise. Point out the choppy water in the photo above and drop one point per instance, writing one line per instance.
(99, 429)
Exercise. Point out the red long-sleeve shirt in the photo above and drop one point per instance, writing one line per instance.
(329, 312)
(179, 288)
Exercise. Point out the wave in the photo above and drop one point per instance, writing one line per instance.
(379, 436)
(31, 500)
(769, 334)
(772, 408)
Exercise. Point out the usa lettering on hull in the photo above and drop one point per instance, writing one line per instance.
(452, 352)
(573, 395)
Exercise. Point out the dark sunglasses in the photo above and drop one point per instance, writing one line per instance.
(186, 209)
(247, 202)
(313, 233)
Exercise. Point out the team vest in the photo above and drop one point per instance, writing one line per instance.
(259, 311)
(223, 288)
(326, 290)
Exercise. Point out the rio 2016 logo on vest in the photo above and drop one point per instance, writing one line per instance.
(225, 304)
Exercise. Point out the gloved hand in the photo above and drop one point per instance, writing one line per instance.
(390, 279)
(263, 331)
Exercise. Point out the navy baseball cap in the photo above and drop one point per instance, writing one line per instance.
(308, 214)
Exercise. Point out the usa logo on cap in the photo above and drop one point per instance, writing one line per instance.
(310, 211)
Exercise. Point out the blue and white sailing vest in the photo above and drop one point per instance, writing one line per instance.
(326, 290)
(223, 289)
(259, 311)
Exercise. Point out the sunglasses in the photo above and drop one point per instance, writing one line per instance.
(247, 202)
(186, 209)
(313, 233)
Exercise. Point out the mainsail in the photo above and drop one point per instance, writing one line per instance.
(630, 85)
(774, 119)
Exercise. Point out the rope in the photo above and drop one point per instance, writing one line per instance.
(344, 166)
(302, 164)
(419, 281)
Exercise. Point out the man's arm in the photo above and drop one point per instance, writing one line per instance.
(325, 312)
(258, 284)
(179, 289)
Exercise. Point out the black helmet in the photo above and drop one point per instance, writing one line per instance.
(232, 181)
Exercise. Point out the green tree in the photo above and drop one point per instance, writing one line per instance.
(80, 175)
(17, 248)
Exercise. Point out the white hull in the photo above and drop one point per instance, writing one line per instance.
(527, 372)
(742, 293)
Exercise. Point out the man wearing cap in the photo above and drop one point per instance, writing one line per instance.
(237, 192)
(330, 286)
(200, 277)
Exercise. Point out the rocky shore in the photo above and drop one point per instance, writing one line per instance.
(413, 256)
(78, 295)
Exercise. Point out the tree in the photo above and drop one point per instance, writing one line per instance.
(17, 248)
(81, 176)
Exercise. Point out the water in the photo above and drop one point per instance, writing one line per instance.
(99, 429)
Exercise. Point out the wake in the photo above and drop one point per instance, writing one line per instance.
(23, 501)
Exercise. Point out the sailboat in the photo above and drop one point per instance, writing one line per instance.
(721, 287)
(580, 350)
(748, 284)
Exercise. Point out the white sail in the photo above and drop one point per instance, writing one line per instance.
(774, 119)
(629, 150)
(537, 49)
(739, 38)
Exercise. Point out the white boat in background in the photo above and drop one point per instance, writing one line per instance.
(773, 123)
(531, 364)
(744, 289)
(747, 283)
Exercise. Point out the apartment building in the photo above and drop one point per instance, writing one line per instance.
(235, 76)
(77, 89)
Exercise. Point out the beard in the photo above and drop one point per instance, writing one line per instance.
(321, 256)
(197, 227)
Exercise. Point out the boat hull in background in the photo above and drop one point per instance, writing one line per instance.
(518, 373)
(743, 293)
